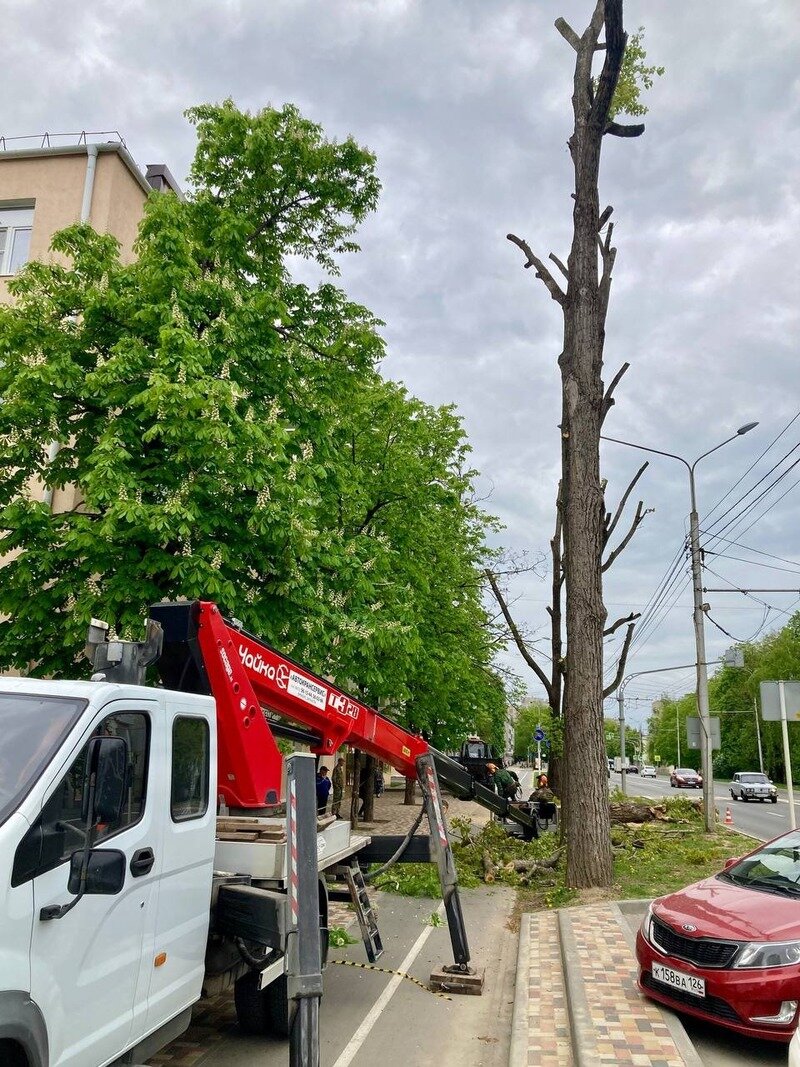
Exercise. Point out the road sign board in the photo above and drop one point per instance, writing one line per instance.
(538, 734)
(771, 701)
(656, 759)
(693, 731)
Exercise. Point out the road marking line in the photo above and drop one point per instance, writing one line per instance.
(363, 1032)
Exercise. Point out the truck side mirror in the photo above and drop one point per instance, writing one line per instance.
(105, 872)
(106, 780)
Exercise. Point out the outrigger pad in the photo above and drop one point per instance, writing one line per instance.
(467, 983)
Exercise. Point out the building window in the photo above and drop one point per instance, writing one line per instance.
(15, 238)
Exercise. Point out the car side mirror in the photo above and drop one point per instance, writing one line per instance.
(731, 862)
(106, 780)
(105, 872)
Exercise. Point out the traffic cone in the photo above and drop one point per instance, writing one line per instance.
(728, 817)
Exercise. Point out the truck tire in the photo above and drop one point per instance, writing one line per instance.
(262, 1011)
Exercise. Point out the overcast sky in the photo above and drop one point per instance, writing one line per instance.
(466, 103)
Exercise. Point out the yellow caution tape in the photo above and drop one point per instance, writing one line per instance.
(388, 970)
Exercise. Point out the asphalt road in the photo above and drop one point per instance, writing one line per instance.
(761, 820)
(370, 1017)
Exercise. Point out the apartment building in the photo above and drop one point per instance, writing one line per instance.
(50, 181)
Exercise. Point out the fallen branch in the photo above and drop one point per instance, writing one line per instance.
(489, 868)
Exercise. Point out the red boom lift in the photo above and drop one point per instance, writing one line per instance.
(204, 652)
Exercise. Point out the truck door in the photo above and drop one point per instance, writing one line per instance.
(188, 826)
(85, 965)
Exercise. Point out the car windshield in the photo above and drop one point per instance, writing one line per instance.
(685, 771)
(31, 728)
(775, 867)
(751, 779)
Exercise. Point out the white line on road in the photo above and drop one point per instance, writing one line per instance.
(362, 1033)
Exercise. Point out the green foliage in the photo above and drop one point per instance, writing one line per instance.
(230, 437)
(649, 862)
(529, 716)
(634, 76)
(422, 880)
(611, 732)
(734, 696)
(338, 937)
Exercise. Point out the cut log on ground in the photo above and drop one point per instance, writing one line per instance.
(638, 813)
(489, 868)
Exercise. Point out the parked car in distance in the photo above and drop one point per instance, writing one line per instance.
(752, 785)
(727, 949)
(648, 771)
(632, 768)
(685, 778)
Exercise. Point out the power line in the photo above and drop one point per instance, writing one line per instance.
(748, 507)
(752, 465)
(749, 548)
(751, 562)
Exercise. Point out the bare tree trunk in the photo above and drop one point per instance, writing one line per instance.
(585, 403)
(411, 785)
(355, 801)
(369, 795)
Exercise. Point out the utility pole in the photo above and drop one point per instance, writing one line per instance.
(758, 736)
(621, 702)
(698, 617)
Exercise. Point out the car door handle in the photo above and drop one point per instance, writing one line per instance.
(142, 862)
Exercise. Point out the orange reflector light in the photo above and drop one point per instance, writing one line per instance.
(160, 959)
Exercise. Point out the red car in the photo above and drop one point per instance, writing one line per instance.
(685, 778)
(727, 949)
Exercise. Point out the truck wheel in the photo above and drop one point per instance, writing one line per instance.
(774, 800)
(262, 1011)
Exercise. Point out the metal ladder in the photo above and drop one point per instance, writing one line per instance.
(364, 910)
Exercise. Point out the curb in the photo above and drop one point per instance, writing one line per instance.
(673, 1022)
(583, 1051)
(518, 1052)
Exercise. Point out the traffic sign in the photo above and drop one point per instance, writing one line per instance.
(538, 734)
(771, 701)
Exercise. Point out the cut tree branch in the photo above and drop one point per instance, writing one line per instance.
(567, 32)
(623, 659)
(617, 129)
(637, 521)
(612, 523)
(541, 270)
(559, 264)
(608, 399)
(609, 630)
(518, 640)
(604, 217)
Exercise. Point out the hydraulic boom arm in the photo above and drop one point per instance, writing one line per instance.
(204, 652)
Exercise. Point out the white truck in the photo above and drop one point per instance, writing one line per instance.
(143, 848)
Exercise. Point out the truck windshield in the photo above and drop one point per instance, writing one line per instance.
(31, 729)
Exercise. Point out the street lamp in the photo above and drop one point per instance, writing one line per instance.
(699, 614)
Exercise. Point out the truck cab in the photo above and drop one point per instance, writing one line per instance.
(82, 984)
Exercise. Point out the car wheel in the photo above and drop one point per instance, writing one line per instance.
(733, 795)
(773, 800)
(745, 798)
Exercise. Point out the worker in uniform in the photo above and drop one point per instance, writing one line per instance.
(323, 789)
(337, 782)
(502, 781)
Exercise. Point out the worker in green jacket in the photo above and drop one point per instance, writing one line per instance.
(502, 781)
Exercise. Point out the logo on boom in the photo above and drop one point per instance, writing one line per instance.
(256, 663)
(340, 703)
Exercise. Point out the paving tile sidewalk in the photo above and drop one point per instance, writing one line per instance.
(577, 1001)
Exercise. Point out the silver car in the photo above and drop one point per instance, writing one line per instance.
(752, 785)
